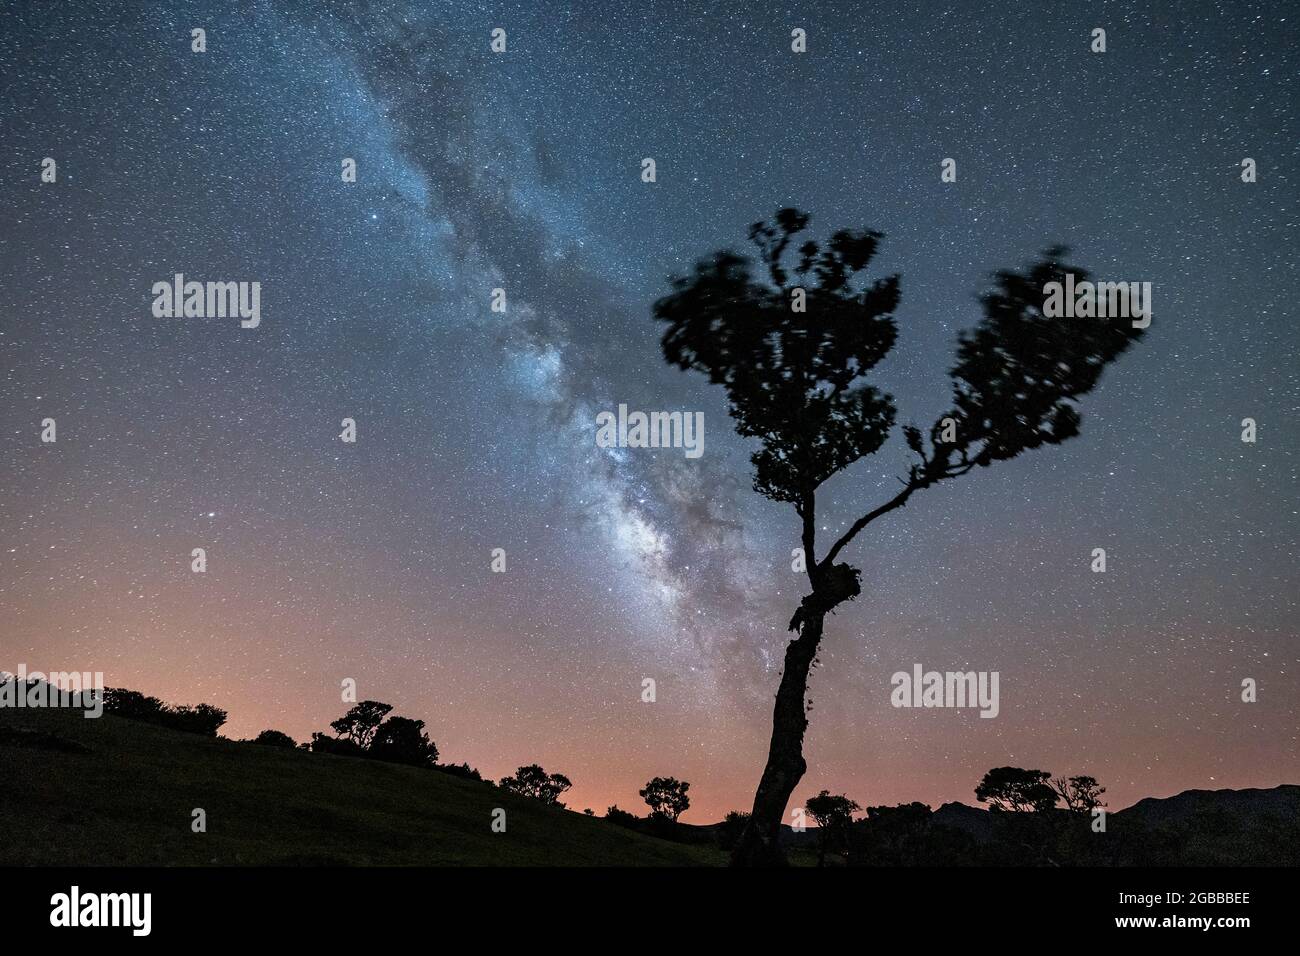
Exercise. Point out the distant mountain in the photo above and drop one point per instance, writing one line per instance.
(1213, 827)
(1246, 805)
(970, 820)
(1195, 828)
(1281, 801)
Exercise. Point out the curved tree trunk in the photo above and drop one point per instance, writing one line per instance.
(759, 843)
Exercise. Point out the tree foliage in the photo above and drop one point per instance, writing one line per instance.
(532, 781)
(834, 815)
(1080, 794)
(361, 722)
(666, 797)
(202, 719)
(796, 380)
(403, 740)
(275, 738)
(1013, 790)
(792, 378)
(621, 818)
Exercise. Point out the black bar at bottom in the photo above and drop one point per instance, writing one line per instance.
(330, 905)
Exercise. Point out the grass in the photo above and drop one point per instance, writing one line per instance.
(110, 791)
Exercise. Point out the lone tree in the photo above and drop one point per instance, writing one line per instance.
(359, 724)
(666, 797)
(834, 815)
(532, 781)
(1013, 790)
(792, 352)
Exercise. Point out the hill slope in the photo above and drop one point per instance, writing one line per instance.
(116, 791)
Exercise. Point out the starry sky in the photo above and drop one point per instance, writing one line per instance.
(522, 171)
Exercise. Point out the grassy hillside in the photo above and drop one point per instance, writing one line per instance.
(116, 791)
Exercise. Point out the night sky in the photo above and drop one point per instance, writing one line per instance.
(476, 429)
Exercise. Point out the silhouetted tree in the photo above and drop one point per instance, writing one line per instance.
(891, 835)
(533, 781)
(834, 816)
(360, 723)
(275, 738)
(794, 382)
(731, 827)
(1081, 794)
(203, 719)
(131, 704)
(666, 797)
(621, 818)
(343, 747)
(403, 740)
(907, 835)
(463, 770)
(1013, 790)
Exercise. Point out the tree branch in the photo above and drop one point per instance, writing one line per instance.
(807, 510)
(918, 477)
(897, 501)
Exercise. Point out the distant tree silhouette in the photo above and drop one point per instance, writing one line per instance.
(131, 704)
(892, 836)
(203, 719)
(533, 781)
(361, 722)
(403, 740)
(666, 797)
(834, 816)
(339, 746)
(463, 770)
(621, 817)
(794, 382)
(731, 827)
(1081, 794)
(367, 730)
(275, 738)
(1013, 790)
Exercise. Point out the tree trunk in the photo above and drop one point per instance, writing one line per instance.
(759, 844)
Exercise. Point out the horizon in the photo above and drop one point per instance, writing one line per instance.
(32, 676)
